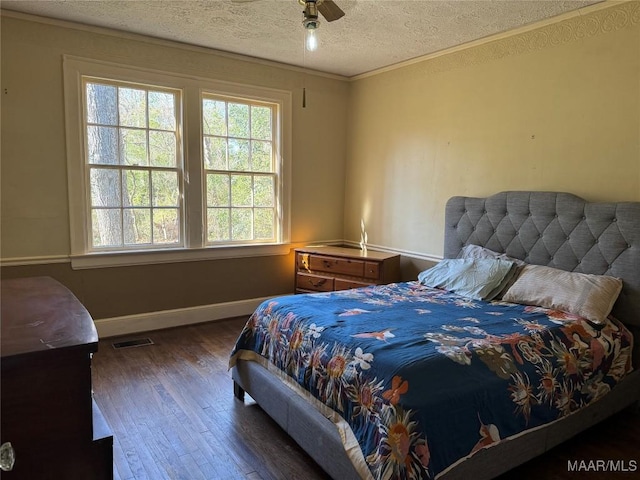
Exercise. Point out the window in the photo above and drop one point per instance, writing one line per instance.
(134, 165)
(239, 168)
(164, 167)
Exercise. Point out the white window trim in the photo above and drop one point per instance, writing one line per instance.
(74, 68)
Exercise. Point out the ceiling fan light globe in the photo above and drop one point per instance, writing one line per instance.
(311, 41)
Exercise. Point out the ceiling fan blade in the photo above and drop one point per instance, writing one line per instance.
(330, 11)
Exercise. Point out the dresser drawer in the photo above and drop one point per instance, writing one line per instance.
(372, 270)
(326, 268)
(343, 284)
(316, 283)
(336, 265)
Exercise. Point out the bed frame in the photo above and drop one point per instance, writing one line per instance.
(559, 230)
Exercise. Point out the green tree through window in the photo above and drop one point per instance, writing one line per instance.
(240, 174)
(134, 167)
(163, 167)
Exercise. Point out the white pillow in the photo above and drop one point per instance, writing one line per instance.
(589, 296)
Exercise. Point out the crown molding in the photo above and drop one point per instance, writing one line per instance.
(596, 19)
(584, 22)
(163, 42)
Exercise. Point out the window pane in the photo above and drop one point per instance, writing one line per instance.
(106, 227)
(101, 104)
(217, 224)
(261, 156)
(165, 225)
(133, 144)
(263, 223)
(241, 190)
(241, 227)
(133, 107)
(218, 190)
(137, 226)
(105, 187)
(162, 111)
(238, 120)
(238, 155)
(102, 143)
(263, 191)
(135, 171)
(136, 188)
(214, 117)
(165, 189)
(215, 153)
(261, 123)
(162, 149)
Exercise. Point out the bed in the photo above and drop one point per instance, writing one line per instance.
(507, 379)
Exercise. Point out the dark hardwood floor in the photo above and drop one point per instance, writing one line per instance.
(173, 415)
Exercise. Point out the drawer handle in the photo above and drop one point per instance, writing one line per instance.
(319, 283)
(327, 263)
(305, 262)
(7, 457)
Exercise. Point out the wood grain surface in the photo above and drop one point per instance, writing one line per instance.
(172, 410)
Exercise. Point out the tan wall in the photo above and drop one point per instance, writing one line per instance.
(557, 108)
(35, 219)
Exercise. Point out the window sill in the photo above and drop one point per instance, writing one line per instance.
(125, 259)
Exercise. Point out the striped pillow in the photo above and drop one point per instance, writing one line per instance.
(589, 296)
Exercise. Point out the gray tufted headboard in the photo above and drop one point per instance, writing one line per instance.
(559, 230)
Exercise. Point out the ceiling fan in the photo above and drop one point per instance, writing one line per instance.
(329, 10)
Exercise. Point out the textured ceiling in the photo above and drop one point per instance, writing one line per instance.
(373, 33)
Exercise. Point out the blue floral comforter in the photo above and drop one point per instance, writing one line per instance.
(425, 378)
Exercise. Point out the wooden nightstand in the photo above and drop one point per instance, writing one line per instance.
(326, 268)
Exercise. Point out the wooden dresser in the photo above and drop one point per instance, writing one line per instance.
(326, 268)
(48, 413)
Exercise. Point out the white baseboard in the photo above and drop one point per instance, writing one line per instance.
(144, 322)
